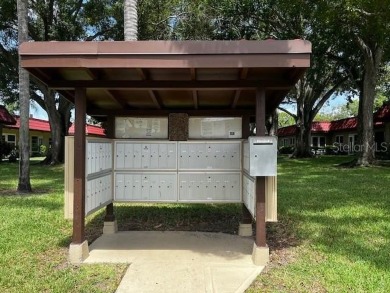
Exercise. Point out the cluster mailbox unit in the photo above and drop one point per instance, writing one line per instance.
(200, 170)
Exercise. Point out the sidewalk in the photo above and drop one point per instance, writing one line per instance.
(178, 261)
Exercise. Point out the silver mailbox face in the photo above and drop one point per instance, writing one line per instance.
(263, 155)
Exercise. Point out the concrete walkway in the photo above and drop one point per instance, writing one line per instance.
(178, 261)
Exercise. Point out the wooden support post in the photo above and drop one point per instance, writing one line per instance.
(79, 172)
(245, 226)
(245, 127)
(260, 181)
(110, 217)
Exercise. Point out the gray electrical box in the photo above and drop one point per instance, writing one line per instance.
(262, 155)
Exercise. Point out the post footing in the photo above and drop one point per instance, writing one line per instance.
(260, 255)
(78, 252)
(110, 227)
(245, 230)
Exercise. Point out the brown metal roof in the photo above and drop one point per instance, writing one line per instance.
(158, 77)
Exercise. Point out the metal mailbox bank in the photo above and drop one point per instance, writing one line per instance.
(133, 87)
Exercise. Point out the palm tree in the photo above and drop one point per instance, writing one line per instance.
(130, 20)
(24, 185)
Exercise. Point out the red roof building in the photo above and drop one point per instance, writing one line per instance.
(40, 133)
(343, 131)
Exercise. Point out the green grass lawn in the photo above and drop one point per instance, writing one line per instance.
(338, 221)
(34, 238)
(333, 233)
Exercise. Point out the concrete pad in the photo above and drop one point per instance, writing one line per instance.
(175, 261)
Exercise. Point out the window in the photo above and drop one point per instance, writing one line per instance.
(322, 141)
(285, 142)
(34, 144)
(339, 139)
(318, 141)
(10, 138)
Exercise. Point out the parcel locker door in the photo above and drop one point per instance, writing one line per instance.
(154, 155)
(171, 157)
(145, 157)
(137, 156)
(145, 188)
(137, 187)
(128, 189)
(119, 187)
(120, 156)
(154, 190)
(163, 156)
(183, 156)
(129, 156)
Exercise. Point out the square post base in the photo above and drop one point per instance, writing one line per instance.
(78, 252)
(110, 227)
(245, 230)
(260, 255)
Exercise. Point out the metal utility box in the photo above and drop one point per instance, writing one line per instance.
(262, 155)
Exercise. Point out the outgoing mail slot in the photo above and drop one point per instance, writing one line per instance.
(263, 155)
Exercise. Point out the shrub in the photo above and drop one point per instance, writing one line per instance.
(286, 150)
(42, 150)
(5, 149)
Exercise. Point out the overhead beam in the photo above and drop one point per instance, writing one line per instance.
(95, 75)
(170, 85)
(242, 75)
(164, 112)
(194, 92)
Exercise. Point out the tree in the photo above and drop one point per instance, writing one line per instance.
(24, 185)
(285, 119)
(322, 80)
(360, 30)
(53, 20)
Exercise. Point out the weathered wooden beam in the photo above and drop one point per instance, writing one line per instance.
(96, 112)
(79, 172)
(260, 181)
(169, 85)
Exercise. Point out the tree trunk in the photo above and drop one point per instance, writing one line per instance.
(303, 136)
(272, 124)
(59, 118)
(24, 185)
(130, 20)
(366, 154)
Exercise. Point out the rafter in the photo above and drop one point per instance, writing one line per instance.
(153, 95)
(243, 73)
(194, 92)
(95, 75)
